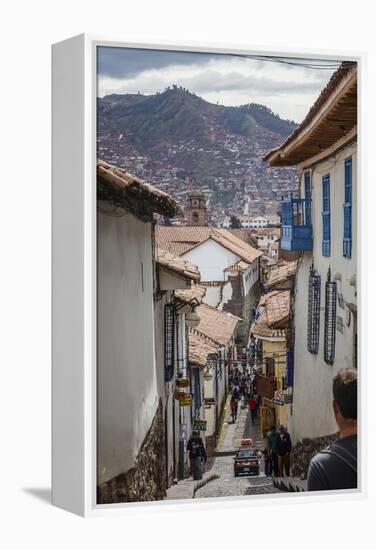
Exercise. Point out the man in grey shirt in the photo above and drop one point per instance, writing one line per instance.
(336, 466)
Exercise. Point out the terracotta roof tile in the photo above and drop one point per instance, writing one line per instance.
(186, 237)
(215, 324)
(116, 185)
(282, 273)
(199, 347)
(274, 316)
(246, 235)
(268, 232)
(239, 247)
(241, 266)
(176, 264)
(196, 292)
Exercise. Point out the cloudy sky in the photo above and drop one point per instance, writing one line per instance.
(287, 89)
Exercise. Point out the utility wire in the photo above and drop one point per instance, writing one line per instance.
(319, 66)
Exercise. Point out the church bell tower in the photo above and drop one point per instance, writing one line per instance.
(196, 212)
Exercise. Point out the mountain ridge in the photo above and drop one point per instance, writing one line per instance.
(181, 114)
(174, 136)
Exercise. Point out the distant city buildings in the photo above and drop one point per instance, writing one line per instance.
(230, 172)
(250, 222)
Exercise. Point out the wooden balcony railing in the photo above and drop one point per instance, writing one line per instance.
(265, 386)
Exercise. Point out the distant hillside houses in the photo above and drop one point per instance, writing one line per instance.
(252, 221)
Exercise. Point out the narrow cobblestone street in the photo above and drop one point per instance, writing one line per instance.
(227, 484)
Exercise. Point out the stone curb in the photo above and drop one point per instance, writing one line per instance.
(287, 486)
(203, 482)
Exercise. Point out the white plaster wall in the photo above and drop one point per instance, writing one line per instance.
(250, 277)
(210, 392)
(227, 295)
(211, 259)
(213, 295)
(167, 281)
(127, 385)
(167, 390)
(221, 378)
(312, 376)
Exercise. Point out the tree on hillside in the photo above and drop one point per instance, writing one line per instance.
(235, 223)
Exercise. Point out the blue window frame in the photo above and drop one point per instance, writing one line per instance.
(347, 210)
(326, 215)
(308, 197)
(290, 368)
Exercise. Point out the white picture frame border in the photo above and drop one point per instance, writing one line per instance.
(74, 390)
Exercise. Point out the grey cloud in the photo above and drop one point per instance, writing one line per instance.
(129, 62)
(214, 81)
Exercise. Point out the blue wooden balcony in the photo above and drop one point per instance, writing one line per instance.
(296, 225)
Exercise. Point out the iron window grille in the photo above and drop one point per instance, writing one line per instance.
(347, 210)
(330, 320)
(326, 215)
(313, 329)
(169, 341)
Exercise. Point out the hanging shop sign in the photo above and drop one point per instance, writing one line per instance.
(279, 398)
(288, 398)
(186, 401)
(182, 383)
(199, 425)
(180, 394)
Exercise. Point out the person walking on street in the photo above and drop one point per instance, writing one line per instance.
(234, 409)
(258, 401)
(267, 462)
(197, 455)
(272, 439)
(336, 467)
(236, 393)
(253, 408)
(283, 451)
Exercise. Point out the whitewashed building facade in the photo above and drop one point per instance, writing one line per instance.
(130, 422)
(322, 226)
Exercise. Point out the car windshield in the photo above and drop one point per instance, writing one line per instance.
(246, 454)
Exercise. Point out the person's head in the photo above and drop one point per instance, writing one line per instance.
(272, 428)
(282, 429)
(345, 400)
(194, 434)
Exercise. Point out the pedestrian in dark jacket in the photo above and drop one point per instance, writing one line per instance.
(267, 462)
(236, 393)
(234, 409)
(197, 455)
(283, 451)
(336, 467)
(272, 439)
